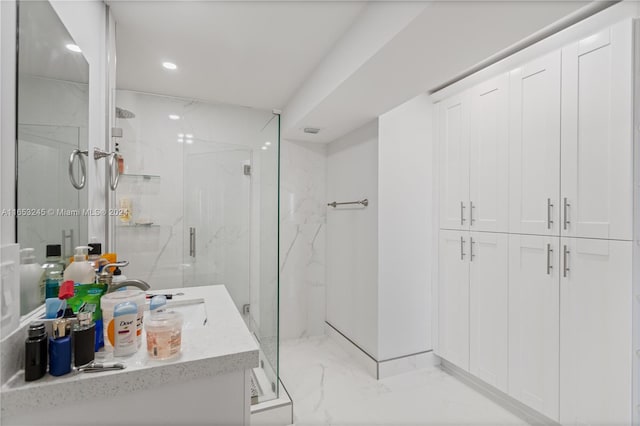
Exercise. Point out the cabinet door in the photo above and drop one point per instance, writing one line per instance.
(534, 323)
(595, 318)
(454, 162)
(453, 298)
(534, 147)
(488, 156)
(597, 135)
(488, 281)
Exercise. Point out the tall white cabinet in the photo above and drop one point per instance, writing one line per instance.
(535, 286)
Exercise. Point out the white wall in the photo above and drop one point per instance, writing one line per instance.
(352, 237)
(405, 228)
(303, 214)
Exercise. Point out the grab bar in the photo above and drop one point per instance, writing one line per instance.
(364, 202)
(83, 178)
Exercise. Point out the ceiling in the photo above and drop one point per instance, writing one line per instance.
(334, 65)
(42, 40)
(253, 54)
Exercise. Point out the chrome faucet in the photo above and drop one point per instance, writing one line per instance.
(106, 278)
(133, 283)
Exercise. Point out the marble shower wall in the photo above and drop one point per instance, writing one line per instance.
(303, 170)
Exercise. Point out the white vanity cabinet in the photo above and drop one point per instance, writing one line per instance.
(542, 308)
(595, 331)
(597, 135)
(534, 147)
(534, 322)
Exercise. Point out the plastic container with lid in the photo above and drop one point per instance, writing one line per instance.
(108, 303)
(164, 334)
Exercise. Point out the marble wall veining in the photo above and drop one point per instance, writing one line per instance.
(303, 172)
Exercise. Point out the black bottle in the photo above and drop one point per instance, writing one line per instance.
(84, 339)
(35, 355)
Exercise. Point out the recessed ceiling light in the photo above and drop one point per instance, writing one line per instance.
(181, 135)
(170, 65)
(264, 148)
(267, 143)
(174, 117)
(73, 47)
(180, 140)
(189, 135)
(189, 141)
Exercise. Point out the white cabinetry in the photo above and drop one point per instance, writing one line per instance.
(534, 322)
(453, 298)
(534, 144)
(597, 142)
(454, 162)
(488, 280)
(595, 331)
(488, 156)
(535, 284)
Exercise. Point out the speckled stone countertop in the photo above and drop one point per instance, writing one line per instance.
(221, 346)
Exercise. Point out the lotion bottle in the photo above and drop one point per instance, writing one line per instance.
(80, 270)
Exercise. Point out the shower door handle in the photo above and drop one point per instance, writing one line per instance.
(192, 242)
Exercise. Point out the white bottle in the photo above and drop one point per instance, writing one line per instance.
(80, 270)
(30, 277)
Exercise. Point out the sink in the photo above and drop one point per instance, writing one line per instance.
(194, 314)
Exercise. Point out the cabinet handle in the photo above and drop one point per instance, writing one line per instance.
(549, 206)
(566, 211)
(462, 254)
(462, 213)
(566, 259)
(549, 265)
(192, 242)
(471, 207)
(471, 242)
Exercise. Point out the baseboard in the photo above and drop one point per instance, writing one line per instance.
(384, 368)
(527, 414)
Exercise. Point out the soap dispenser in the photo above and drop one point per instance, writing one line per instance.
(80, 270)
(30, 277)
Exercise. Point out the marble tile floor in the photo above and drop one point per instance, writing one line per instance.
(328, 387)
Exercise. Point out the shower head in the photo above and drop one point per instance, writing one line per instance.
(123, 113)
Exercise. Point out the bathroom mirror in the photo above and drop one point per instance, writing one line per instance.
(52, 123)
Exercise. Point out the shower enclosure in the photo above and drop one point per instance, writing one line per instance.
(200, 188)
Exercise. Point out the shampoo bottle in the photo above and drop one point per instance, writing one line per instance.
(125, 317)
(80, 270)
(30, 278)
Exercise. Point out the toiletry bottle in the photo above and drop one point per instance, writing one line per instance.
(84, 336)
(60, 349)
(125, 317)
(35, 353)
(80, 270)
(30, 278)
(120, 159)
(95, 253)
(52, 268)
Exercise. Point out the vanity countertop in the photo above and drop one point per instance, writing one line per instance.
(223, 345)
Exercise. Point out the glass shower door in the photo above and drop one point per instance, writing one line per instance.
(217, 193)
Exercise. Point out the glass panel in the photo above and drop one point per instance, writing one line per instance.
(53, 104)
(212, 173)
